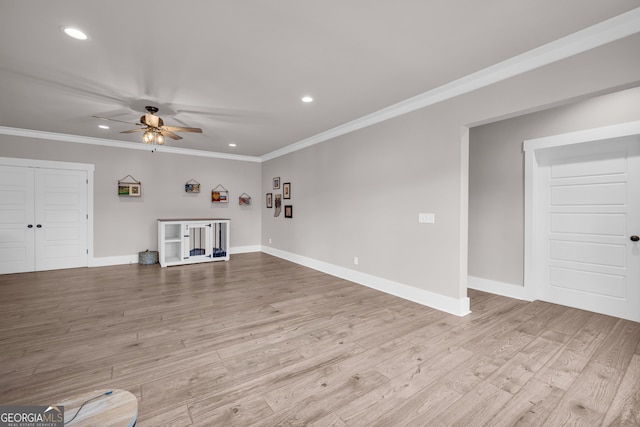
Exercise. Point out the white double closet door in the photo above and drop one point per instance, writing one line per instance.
(43, 219)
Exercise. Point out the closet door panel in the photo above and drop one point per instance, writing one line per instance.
(61, 219)
(17, 226)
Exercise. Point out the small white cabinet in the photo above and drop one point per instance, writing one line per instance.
(187, 241)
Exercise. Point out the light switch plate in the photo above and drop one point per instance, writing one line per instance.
(427, 218)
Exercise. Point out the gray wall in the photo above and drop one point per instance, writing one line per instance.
(360, 194)
(496, 177)
(127, 225)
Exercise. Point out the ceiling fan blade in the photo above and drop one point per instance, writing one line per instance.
(170, 134)
(116, 120)
(151, 120)
(134, 130)
(181, 129)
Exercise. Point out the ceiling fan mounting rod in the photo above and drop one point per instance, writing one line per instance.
(151, 109)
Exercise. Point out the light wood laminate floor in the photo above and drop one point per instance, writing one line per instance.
(261, 341)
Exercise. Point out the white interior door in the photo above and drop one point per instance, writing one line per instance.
(588, 207)
(17, 227)
(61, 217)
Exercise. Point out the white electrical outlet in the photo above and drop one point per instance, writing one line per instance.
(269, 239)
(427, 218)
(355, 260)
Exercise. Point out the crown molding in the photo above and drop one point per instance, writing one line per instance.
(53, 136)
(608, 31)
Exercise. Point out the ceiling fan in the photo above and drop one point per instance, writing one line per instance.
(154, 128)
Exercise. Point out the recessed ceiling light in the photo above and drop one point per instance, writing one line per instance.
(103, 126)
(307, 99)
(75, 33)
(232, 145)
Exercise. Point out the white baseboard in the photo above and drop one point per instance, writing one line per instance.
(113, 260)
(458, 307)
(499, 288)
(245, 249)
(133, 259)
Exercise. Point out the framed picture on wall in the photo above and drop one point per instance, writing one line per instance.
(286, 190)
(219, 194)
(269, 200)
(276, 183)
(278, 203)
(134, 190)
(192, 186)
(288, 211)
(131, 190)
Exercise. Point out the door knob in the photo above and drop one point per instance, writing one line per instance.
(39, 225)
(30, 226)
(634, 238)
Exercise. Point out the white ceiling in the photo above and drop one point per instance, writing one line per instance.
(238, 69)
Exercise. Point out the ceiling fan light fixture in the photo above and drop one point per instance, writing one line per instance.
(153, 129)
(147, 137)
(75, 33)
